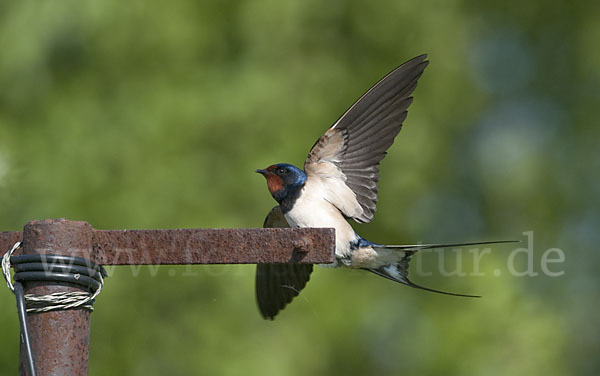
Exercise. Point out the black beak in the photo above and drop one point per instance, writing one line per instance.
(264, 172)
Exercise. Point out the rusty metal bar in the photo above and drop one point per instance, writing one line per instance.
(192, 246)
(213, 246)
(61, 338)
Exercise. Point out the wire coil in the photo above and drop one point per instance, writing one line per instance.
(55, 268)
(50, 268)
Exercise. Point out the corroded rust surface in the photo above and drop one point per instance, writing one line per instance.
(61, 339)
(8, 239)
(213, 246)
(186, 246)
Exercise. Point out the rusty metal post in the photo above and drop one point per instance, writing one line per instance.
(60, 339)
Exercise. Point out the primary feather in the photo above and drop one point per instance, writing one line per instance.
(346, 158)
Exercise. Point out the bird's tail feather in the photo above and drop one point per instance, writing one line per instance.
(418, 247)
(398, 276)
(398, 271)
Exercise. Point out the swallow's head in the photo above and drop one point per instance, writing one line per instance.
(283, 180)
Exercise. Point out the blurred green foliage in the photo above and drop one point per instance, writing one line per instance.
(155, 114)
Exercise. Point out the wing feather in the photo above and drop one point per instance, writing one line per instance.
(355, 145)
(278, 284)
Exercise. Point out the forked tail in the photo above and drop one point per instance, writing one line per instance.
(398, 271)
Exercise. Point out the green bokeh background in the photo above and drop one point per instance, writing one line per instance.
(155, 115)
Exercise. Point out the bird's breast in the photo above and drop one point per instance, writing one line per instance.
(312, 210)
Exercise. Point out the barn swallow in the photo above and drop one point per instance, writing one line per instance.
(339, 181)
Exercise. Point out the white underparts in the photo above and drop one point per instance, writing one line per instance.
(373, 257)
(314, 208)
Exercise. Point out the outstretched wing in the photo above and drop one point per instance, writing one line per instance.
(278, 284)
(346, 158)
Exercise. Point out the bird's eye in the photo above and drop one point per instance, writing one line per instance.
(282, 171)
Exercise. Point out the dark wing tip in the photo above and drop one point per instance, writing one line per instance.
(277, 285)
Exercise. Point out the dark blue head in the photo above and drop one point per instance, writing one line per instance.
(284, 182)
